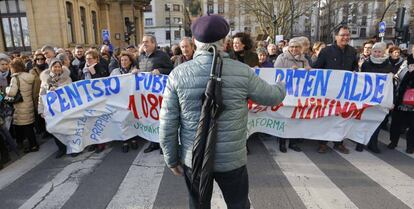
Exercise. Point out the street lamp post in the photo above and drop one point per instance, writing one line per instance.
(180, 24)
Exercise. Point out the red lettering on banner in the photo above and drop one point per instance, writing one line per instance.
(255, 108)
(132, 106)
(316, 108)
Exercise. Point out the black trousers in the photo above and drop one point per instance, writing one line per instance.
(234, 185)
(4, 152)
(60, 145)
(398, 120)
(25, 131)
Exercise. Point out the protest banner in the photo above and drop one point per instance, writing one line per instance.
(320, 104)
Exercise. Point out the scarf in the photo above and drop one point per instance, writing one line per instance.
(3, 80)
(86, 72)
(378, 60)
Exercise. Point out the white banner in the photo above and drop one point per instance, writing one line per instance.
(320, 104)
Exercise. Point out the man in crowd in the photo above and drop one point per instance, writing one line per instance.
(187, 50)
(181, 109)
(49, 53)
(79, 62)
(157, 62)
(273, 52)
(338, 56)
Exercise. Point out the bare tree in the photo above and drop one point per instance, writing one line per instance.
(276, 16)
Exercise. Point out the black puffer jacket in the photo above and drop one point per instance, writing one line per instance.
(406, 83)
(370, 67)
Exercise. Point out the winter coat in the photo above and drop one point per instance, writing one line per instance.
(113, 64)
(406, 83)
(156, 60)
(119, 71)
(181, 59)
(249, 58)
(49, 82)
(286, 60)
(181, 108)
(266, 63)
(333, 57)
(23, 111)
(36, 85)
(100, 72)
(370, 67)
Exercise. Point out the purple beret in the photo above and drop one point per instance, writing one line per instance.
(210, 28)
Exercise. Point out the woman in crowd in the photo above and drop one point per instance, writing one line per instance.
(403, 114)
(127, 66)
(242, 46)
(378, 62)
(263, 58)
(317, 47)
(38, 67)
(176, 52)
(23, 117)
(57, 75)
(93, 69)
(395, 58)
(293, 58)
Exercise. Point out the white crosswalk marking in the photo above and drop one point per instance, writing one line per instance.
(314, 188)
(390, 178)
(217, 199)
(25, 164)
(55, 193)
(140, 185)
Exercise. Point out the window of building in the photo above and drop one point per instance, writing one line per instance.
(364, 21)
(363, 32)
(84, 31)
(69, 24)
(210, 6)
(167, 7)
(177, 20)
(95, 27)
(176, 7)
(221, 8)
(148, 21)
(167, 21)
(148, 8)
(177, 35)
(167, 35)
(14, 25)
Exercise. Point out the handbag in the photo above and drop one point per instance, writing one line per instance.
(408, 98)
(18, 98)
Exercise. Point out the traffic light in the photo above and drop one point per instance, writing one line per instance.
(126, 37)
(406, 34)
(399, 20)
(130, 26)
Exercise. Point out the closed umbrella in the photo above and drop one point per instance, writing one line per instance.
(206, 135)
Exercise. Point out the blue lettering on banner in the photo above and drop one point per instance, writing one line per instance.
(70, 96)
(315, 82)
(150, 82)
(379, 88)
(346, 82)
(100, 124)
(367, 87)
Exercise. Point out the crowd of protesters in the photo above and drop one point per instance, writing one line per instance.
(49, 68)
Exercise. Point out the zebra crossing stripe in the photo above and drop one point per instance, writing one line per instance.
(390, 178)
(217, 199)
(140, 185)
(17, 169)
(314, 188)
(55, 193)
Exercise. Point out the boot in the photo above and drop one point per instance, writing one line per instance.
(282, 145)
(359, 147)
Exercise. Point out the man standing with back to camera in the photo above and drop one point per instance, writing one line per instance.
(181, 109)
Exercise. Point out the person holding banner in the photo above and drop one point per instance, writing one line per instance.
(378, 62)
(293, 58)
(93, 69)
(157, 62)
(127, 66)
(403, 113)
(181, 111)
(338, 56)
(57, 75)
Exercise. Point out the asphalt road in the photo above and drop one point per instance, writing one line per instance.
(133, 180)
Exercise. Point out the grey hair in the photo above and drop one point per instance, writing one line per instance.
(47, 47)
(61, 57)
(204, 46)
(4, 57)
(190, 41)
(153, 39)
(261, 50)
